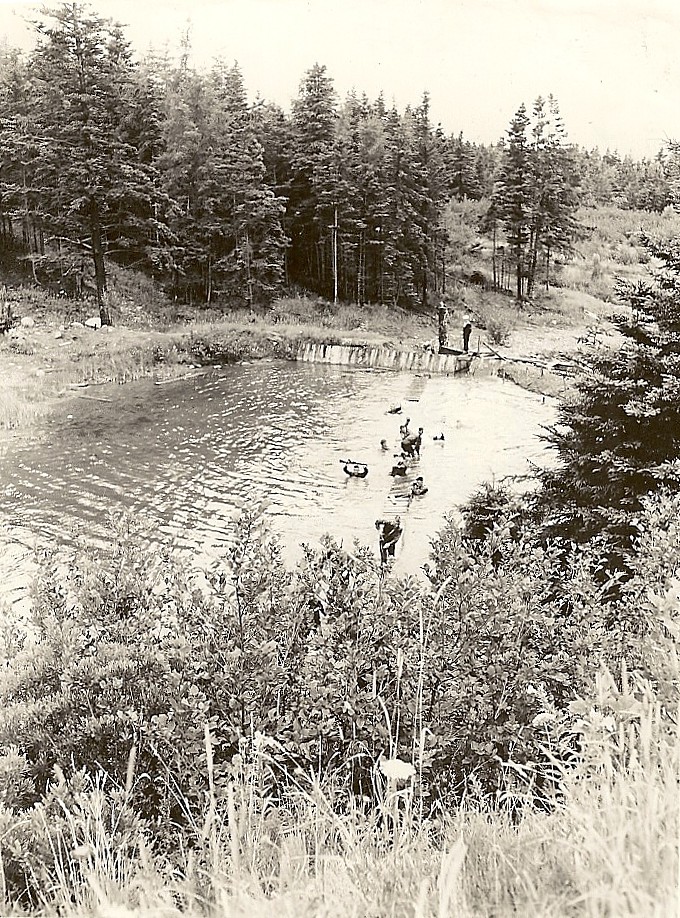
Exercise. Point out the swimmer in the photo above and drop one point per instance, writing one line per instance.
(400, 467)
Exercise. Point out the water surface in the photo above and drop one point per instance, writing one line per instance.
(185, 456)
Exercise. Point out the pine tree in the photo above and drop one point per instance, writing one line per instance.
(619, 438)
(513, 195)
(90, 178)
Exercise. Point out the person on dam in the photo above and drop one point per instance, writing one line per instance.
(389, 534)
(443, 323)
(467, 331)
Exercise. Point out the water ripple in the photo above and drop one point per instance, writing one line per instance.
(187, 456)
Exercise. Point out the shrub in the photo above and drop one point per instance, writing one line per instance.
(498, 330)
(334, 664)
(79, 826)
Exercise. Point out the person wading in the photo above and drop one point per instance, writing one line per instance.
(389, 534)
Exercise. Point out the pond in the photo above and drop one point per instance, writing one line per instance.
(185, 456)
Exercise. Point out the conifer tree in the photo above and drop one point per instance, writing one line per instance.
(553, 225)
(619, 438)
(250, 241)
(88, 175)
(227, 225)
(463, 175)
(18, 154)
(315, 190)
(513, 195)
(534, 198)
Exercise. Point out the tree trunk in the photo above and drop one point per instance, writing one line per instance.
(99, 266)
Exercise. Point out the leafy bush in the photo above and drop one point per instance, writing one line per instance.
(499, 331)
(336, 664)
(159, 698)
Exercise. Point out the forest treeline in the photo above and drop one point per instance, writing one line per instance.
(157, 165)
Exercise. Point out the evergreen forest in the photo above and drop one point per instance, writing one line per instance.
(154, 164)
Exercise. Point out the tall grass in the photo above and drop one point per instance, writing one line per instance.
(607, 847)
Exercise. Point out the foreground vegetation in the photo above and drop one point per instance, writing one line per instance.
(330, 741)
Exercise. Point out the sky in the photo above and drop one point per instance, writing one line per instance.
(612, 64)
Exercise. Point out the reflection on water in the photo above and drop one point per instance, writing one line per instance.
(183, 457)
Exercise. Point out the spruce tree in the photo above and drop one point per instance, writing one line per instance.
(315, 189)
(90, 177)
(534, 198)
(20, 224)
(229, 241)
(512, 198)
(618, 439)
(248, 243)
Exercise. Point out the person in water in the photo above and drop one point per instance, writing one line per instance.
(440, 437)
(418, 442)
(403, 429)
(418, 487)
(410, 444)
(400, 467)
(355, 469)
(389, 534)
(384, 444)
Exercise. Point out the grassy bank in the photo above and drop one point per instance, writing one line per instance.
(44, 361)
(609, 848)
